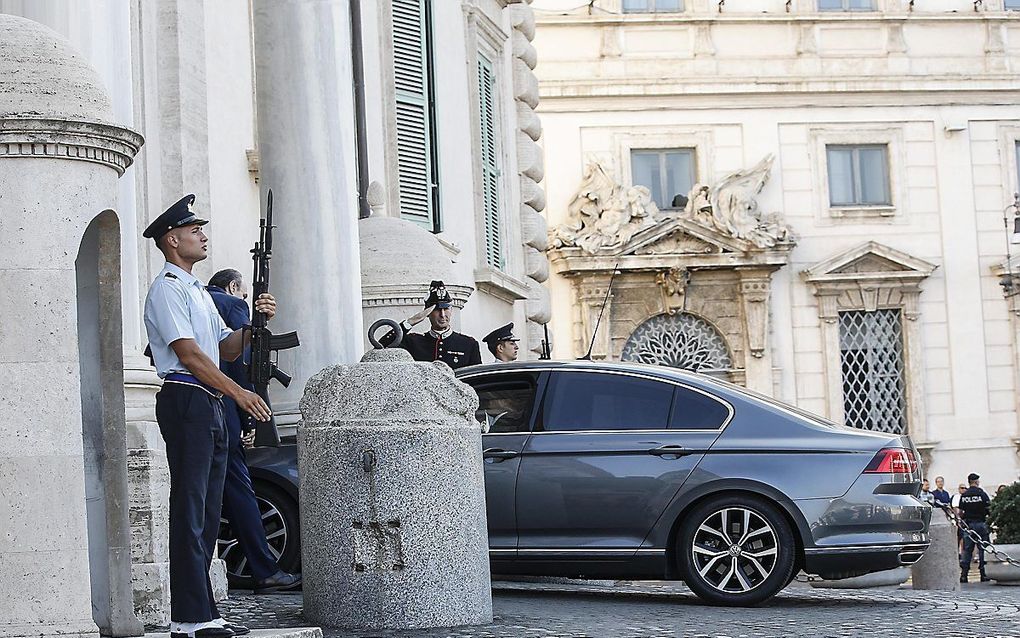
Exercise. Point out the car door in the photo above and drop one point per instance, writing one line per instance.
(608, 454)
(506, 403)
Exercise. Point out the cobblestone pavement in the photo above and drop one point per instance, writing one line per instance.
(656, 609)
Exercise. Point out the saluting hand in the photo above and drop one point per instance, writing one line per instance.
(253, 405)
(416, 319)
(266, 304)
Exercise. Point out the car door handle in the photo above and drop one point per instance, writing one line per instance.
(497, 455)
(670, 450)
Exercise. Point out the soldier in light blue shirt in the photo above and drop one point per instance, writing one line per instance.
(187, 339)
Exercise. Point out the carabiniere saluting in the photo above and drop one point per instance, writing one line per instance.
(440, 343)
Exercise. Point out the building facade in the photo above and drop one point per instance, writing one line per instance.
(806, 197)
(400, 141)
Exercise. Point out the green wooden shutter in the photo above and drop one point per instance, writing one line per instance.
(490, 163)
(416, 170)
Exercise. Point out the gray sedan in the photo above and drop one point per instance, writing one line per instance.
(611, 470)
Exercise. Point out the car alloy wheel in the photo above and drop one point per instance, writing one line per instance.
(735, 550)
(279, 523)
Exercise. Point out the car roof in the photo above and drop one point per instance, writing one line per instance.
(663, 372)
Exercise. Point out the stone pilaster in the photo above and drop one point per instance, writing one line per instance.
(754, 299)
(149, 492)
(531, 170)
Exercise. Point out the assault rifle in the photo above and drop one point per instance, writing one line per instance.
(264, 343)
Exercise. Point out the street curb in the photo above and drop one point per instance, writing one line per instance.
(294, 632)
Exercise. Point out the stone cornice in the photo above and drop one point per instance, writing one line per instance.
(673, 19)
(97, 142)
(572, 262)
(409, 295)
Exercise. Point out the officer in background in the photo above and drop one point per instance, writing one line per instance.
(229, 292)
(502, 343)
(973, 510)
(187, 338)
(440, 343)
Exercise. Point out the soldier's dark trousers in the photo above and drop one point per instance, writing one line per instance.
(240, 506)
(191, 422)
(968, 546)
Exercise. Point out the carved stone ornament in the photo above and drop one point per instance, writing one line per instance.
(604, 216)
(673, 284)
(731, 206)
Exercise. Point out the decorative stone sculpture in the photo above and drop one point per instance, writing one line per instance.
(392, 500)
(732, 206)
(603, 214)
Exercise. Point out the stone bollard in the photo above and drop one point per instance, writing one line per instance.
(939, 568)
(393, 526)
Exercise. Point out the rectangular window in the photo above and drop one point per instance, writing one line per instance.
(489, 135)
(652, 6)
(666, 173)
(417, 159)
(846, 5)
(1012, 5)
(871, 357)
(858, 175)
(595, 401)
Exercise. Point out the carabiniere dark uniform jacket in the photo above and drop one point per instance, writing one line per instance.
(457, 350)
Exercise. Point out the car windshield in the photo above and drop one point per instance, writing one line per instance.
(739, 389)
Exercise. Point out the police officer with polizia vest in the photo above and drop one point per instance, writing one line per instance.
(187, 339)
(973, 510)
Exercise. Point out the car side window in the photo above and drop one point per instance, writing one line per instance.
(599, 401)
(693, 410)
(505, 403)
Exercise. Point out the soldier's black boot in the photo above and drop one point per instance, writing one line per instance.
(984, 577)
(963, 574)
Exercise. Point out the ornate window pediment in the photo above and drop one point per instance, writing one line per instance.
(867, 277)
(872, 260)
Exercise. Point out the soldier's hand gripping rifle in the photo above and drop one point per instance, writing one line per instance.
(264, 343)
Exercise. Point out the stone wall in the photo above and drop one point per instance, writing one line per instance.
(531, 169)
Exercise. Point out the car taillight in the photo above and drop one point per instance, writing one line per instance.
(893, 460)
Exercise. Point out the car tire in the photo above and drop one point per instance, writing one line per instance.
(280, 521)
(735, 550)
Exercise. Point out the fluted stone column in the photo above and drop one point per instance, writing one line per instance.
(65, 564)
(306, 138)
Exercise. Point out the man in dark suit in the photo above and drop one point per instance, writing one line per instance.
(229, 292)
(440, 343)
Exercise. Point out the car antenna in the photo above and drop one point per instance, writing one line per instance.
(609, 289)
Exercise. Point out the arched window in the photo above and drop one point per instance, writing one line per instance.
(680, 341)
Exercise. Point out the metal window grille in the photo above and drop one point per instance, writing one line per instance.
(417, 162)
(871, 357)
(680, 341)
(666, 173)
(490, 163)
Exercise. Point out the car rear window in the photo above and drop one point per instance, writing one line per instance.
(693, 410)
(600, 401)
